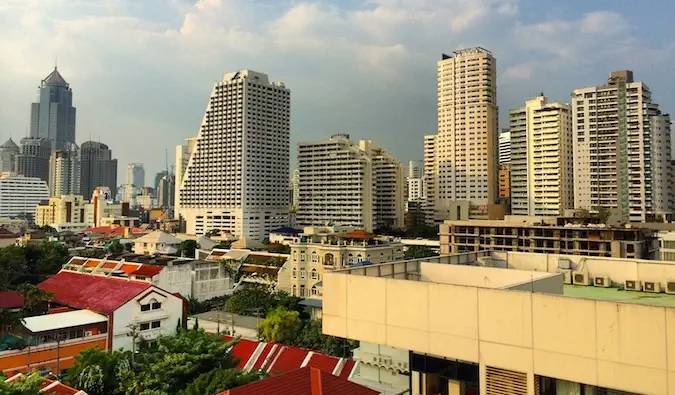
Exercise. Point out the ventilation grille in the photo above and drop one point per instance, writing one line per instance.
(505, 382)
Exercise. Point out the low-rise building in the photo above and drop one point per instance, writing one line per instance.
(250, 267)
(551, 235)
(285, 235)
(61, 210)
(157, 242)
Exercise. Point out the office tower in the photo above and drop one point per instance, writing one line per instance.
(33, 158)
(614, 162)
(136, 175)
(415, 182)
(541, 159)
(99, 169)
(165, 190)
(53, 115)
(8, 152)
(19, 195)
(236, 178)
(158, 177)
(345, 183)
(463, 167)
(64, 172)
(504, 147)
(183, 154)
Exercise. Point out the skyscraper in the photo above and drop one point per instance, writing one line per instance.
(8, 152)
(505, 147)
(99, 169)
(165, 191)
(136, 174)
(542, 160)
(64, 172)
(465, 149)
(183, 154)
(33, 158)
(236, 178)
(53, 115)
(616, 130)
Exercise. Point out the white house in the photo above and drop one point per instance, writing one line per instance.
(156, 242)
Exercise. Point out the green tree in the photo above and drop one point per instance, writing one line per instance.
(187, 248)
(224, 245)
(99, 372)
(27, 385)
(35, 299)
(9, 318)
(311, 337)
(415, 252)
(217, 381)
(260, 299)
(30, 264)
(115, 247)
(602, 214)
(278, 248)
(280, 326)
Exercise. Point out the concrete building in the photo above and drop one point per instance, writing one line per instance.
(369, 192)
(615, 163)
(20, 195)
(8, 151)
(136, 174)
(505, 181)
(237, 176)
(415, 182)
(165, 190)
(541, 161)
(505, 147)
(183, 153)
(64, 171)
(461, 161)
(99, 169)
(53, 116)
(547, 235)
(663, 172)
(295, 189)
(64, 209)
(524, 330)
(156, 242)
(33, 158)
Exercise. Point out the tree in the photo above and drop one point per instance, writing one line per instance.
(115, 247)
(99, 372)
(32, 264)
(280, 326)
(416, 252)
(35, 299)
(278, 248)
(217, 381)
(187, 248)
(260, 300)
(311, 337)
(27, 385)
(602, 214)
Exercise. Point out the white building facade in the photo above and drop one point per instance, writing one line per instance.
(64, 172)
(542, 166)
(236, 178)
(504, 147)
(136, 175)
(19, 195)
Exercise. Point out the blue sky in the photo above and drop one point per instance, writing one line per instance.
(142, 71)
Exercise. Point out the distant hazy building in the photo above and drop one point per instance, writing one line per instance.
(136, 174)
(615, 163)
(346, 183)
(295, 188)
(541, 159)
(505, 147)
(99, 169)
(165, 191)
(19, 195)
(64, 171)
(236, 176)
(183, 153)
(415, 181)
(53, 115)
(8, 152)
(33, 158)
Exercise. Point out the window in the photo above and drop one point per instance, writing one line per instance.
(315, 257)
(359, 258)
(295, 272)
(350, 258)
(155, 324)
(295, 255)
(302, 273)
(314, 291)
(302, 257)
(140, 278)
(295, 290)
(328, 259)
(302, 291)
(315, 275)
(156, 306)
(145, 307)
(145, 326)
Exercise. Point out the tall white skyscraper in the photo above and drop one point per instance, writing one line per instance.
(415, 180)
(616, 140)
(504, 147)
(64, 172)
(464, 162)
(236, 178)
(541, 159)
(136, 175)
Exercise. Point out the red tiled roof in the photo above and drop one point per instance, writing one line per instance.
(324, 362)
(305, 381)
(96, 293)
(289, 358)
(347, 369)
(263, 356)
(243, 351)
(148, 270)
(52, 387)
(358, 234)
(11, 300)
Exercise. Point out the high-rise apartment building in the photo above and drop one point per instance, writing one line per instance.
(99, 169)
(19, 195)
(295, 188)
(33, 158)
(345, 183)
(505, 181)
(165, 190)
(53, 115)
(415, 169)
(236, 178)
(541, 159)
(64, 171)
(416, 191)
(59, 210)
(464, 161)
(663, 177)
(614, 157)
(8, 152)
(136, 174)
(505, 147)
(183, 153)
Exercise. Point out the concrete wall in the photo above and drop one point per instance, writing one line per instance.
(621, 346)
(477, 276)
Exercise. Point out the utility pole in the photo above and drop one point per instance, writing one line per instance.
(133, 334)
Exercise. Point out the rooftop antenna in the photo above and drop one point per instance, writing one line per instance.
(56, 62)
(166, 159)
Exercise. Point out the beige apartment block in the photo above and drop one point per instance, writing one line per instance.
(64, 209)
(463, 165)
(541, 158)
(505, 181)
(473, 326)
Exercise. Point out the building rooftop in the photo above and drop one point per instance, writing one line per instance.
(158, 237)
(55, 78)
(70, 319)
(49, 387)
(619, 295)
(11, 300)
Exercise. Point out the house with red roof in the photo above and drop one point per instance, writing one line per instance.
(129, 305)
(49, 387)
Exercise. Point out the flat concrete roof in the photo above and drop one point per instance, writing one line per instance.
(616, 295)
(70, 319)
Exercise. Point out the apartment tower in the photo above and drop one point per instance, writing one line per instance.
(236, 177)
(99, 169)
(463, 166)
(541, 158)
(615, 128)
(33, 158)
(64, 172)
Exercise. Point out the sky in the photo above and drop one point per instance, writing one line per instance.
(142, 70)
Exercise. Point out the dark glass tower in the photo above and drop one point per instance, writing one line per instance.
(98, 167)
(53, 116)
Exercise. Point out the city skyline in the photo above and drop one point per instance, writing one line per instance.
(393, 40)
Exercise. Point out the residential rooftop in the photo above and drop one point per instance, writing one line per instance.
(614, 294)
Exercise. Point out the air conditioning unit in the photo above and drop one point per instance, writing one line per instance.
(633, 285)
(567, 276)
(670, 287)
(580, 278)
(652, 286)
(602, 281)
(564, 264)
